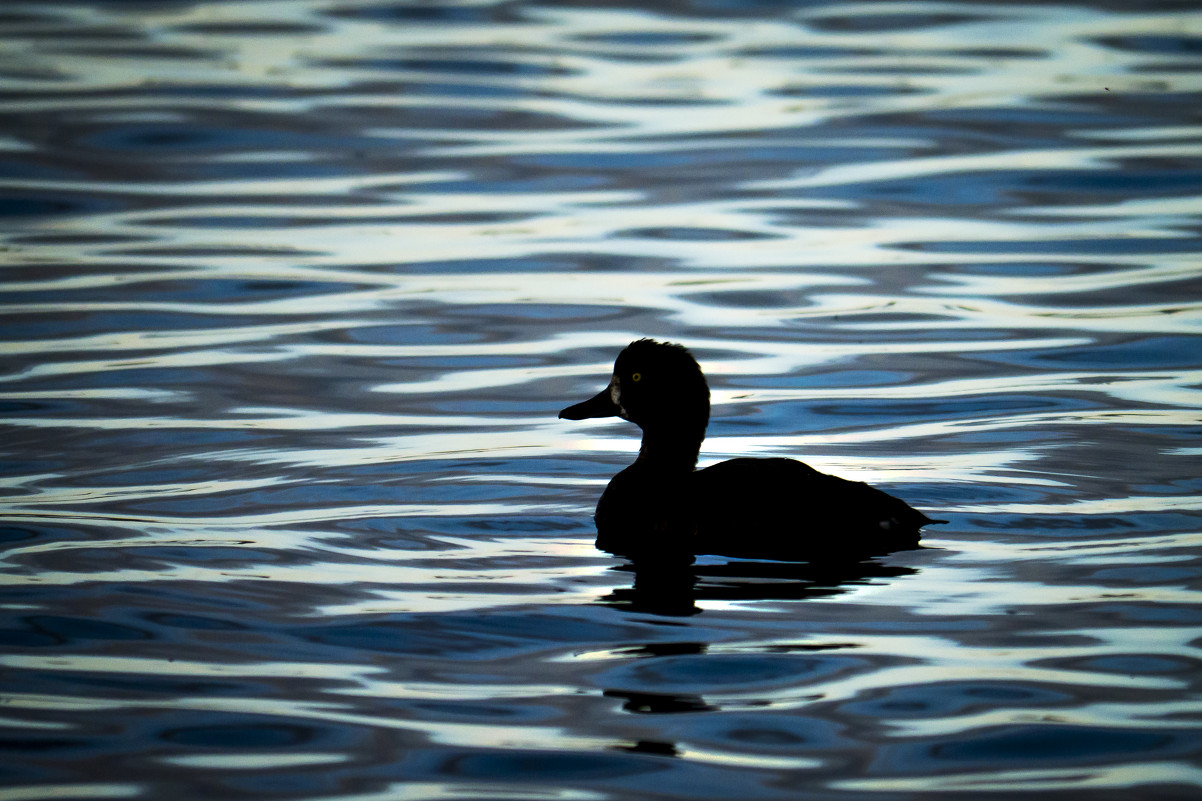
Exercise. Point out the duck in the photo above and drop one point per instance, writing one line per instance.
(662, 507)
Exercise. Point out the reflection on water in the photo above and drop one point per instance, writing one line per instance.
(293, 291)
(674, 589)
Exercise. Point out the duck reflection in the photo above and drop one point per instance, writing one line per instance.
(661, 511)
(658, 703)
(673, 588)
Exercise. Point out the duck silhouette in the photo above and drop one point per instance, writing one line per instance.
(663, 508)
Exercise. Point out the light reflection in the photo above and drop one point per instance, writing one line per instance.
(1126, 775)
(469, 791)
(749, 761)
(257, 761)
(1145, 715)
(45, 792)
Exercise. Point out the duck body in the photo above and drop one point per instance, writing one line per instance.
(661, 507)
(786, 509)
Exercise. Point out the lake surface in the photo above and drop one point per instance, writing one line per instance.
(293, 291)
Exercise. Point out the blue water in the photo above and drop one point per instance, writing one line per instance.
(293, 291)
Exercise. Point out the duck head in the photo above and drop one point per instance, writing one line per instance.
(659, 387)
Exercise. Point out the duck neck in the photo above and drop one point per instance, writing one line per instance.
(670, 451)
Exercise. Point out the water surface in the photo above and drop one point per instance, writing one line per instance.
(293, 291)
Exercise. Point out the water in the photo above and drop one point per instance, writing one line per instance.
(294, 290)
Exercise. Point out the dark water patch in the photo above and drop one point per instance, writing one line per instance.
(541, 767)
(15, 534)
(1040, 125)
(152, 561)
(528, 525)
(1085, 247)
(647, 38)
(44, 204)
(170, 99)
(1024, 269)
(528, 264)
(930, 69)
(1131, 182)
(844, 91)
(538, 313)
(1048, 744)
(262, 604)
(44, 78)
(143, 50)
(1175, 486)
(76, 238)
(1017, 189)
(456, 63)
(195, 136)
(193, 622)
(1155, 44)
(41, 742)
(807, 52)
(460, 89)
(452, 67)
(208, 290)
(401, 333)
(230, 251)
(284, 498)
(1138, 665)
(69, 31)
(29, 16)
(764, 157)
(824, 416)
(1149, 352)
(830, 378)
(252, 734)
(55, 630)
(1062, 524)
(483, 117)
(868, 22)
(726, 673)
(35, 407)
(503, 182)
(781, 735)
(910, 702)
(430, 13)
(485, 713)
(951, 409)
(26, 168)
(283, 169)
(483, 636)
(1149, 575)
(1140, 612)
(251, 28)
(694, 234)
(115, 447)
(115, 687)
(756, 299)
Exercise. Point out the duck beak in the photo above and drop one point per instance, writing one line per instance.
(600, 405)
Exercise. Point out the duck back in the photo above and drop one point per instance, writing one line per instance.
(785, 509)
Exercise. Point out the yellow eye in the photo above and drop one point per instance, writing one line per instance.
(636, 377)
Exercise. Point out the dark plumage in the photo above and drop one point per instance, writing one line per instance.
(661, 506)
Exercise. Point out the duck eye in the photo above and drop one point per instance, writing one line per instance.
(636, 377)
